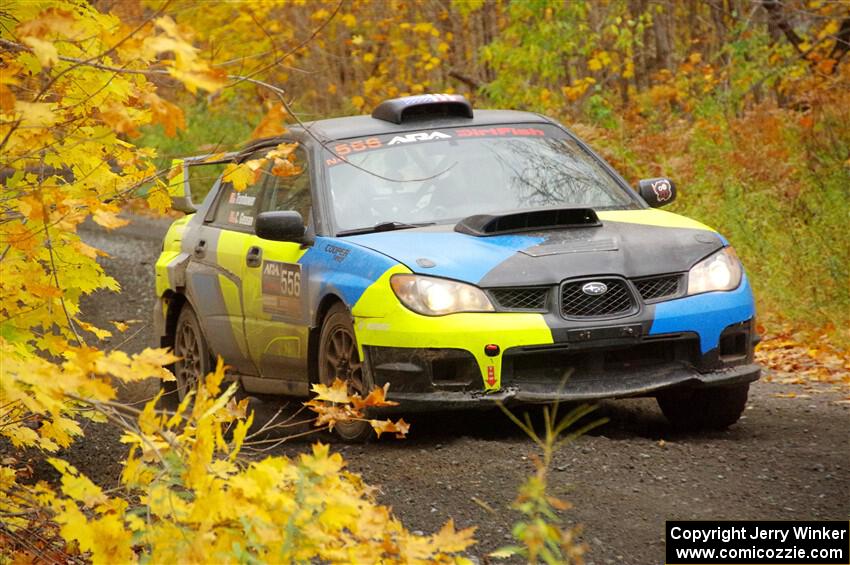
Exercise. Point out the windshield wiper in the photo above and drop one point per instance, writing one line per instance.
(384, 226)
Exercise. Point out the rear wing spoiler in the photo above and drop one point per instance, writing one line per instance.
(178, 179)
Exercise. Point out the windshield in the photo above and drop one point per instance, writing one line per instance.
(439, 176)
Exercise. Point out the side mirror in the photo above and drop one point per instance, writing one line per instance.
(280, 226)
(657, 192)
(178, 188)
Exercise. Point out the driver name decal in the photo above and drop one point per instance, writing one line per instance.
(281, 288)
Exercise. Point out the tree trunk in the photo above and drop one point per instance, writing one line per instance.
(641, 78)
(663, 43)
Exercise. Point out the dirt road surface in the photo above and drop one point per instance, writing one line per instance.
(788, 458)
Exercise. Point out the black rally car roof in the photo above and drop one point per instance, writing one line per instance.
(398, 115)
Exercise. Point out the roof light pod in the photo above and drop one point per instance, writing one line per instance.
(398, 110)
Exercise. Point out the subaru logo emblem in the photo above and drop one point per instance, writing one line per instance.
(595, 288)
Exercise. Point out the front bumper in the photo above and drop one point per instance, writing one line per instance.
(468, 359)
(644, 382)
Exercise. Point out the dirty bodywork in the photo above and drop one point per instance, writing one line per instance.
(542, 335)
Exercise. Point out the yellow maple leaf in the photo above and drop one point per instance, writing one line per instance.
(49, 21)
(117, 117)
(159, 200)
(164, 112)
(285, 168)
(36, 114)
(283, 150)
(336, 392)
(272, 123)
(239, 175)
(98, 332)
(210, 80)
(76, 485)
(450, 540)
(44, 51)
(108, 219)
(7, 99)
(399, 428)
(375, 398)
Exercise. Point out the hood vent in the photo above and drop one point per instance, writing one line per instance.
(530, 221)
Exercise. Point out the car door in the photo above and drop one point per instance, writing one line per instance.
(274, 294)
(214, 276)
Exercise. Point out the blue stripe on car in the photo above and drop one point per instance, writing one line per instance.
(326, 258)
(708, 314)
(470, 258)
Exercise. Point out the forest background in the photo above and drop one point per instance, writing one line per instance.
(744, 103)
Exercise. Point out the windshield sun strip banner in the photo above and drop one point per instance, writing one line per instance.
(373, 142)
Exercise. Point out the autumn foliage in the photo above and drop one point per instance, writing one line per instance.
(746, 105)
(77, 85)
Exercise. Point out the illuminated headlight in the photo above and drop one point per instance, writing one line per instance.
(436, 297)
(720, 271)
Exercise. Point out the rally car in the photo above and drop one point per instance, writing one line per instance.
(462, 256)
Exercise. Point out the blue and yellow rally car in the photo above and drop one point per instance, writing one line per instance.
(461, 256)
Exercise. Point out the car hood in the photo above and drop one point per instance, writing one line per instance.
(630, 243)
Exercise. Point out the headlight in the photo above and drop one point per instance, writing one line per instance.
(720, 271)
(436, 297)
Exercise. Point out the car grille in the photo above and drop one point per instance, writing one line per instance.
(520, 298)
(658, 288)
(616, 301)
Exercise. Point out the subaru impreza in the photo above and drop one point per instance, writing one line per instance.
(461, 256)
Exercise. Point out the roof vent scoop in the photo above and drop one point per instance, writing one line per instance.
(528, 221)
(398, 110)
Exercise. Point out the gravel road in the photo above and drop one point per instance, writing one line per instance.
(788, 458)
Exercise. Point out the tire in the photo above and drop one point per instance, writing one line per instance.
(195, 358)
(339, 358)
(714, 408)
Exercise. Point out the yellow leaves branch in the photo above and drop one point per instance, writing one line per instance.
(333, 404)
(307, 509)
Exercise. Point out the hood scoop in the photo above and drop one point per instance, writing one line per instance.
(528, 221)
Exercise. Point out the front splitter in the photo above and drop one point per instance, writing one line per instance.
(640, 382)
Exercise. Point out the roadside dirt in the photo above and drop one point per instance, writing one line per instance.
(788, 458)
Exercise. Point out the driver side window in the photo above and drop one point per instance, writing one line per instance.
(237, 210)
(288, 188)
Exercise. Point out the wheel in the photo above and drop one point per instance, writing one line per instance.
(195, 358)
(339, 359)
(714, 408)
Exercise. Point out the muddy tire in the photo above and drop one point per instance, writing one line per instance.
(195, 358)
(714, 408)
(339, 358)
